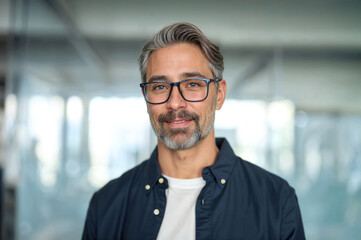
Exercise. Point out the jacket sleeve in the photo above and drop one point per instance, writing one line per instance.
(90, 226)
(291, 223)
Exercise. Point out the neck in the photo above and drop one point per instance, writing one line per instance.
(188, 163)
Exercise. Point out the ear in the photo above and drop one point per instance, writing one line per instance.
(146, 102)
(221, 94)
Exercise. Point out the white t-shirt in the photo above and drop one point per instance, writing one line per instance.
(179, 220)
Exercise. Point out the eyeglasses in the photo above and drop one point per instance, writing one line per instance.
(192, 90)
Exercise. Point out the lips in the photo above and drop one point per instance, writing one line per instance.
(180, 119)
(179, 123)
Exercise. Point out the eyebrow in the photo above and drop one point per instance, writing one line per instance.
(158, 78)
(183, 75)
(192, 74)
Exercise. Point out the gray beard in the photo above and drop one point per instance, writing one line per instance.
(167, 138)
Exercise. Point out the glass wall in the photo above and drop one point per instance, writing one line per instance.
(329, 176)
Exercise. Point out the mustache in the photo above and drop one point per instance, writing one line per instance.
(171, 116)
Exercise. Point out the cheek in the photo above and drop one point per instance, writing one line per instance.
(211, 104)
(210, 110)
(205, 111)
(153, 112)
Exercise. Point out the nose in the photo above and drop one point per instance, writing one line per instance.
(176, 100)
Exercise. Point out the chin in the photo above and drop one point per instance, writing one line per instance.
(182, 142)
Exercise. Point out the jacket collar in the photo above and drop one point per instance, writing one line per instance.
(225, 162)
(221, 170)
(153, 171)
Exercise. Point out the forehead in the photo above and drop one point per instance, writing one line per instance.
(176, 60)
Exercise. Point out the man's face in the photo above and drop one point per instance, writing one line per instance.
(180, 124)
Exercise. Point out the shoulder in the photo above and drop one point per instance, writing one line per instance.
(112, 201)
(269, 191)
(262, 180)
(119, 188)
(248, 176)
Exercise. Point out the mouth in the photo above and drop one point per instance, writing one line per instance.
(179, 123)
(182, 119)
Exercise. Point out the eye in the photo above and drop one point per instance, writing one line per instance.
(158, 87)
(193, 84)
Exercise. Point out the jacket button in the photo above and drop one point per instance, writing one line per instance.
(161, 180)
(156, 212)
(223, 181)
(147, 187)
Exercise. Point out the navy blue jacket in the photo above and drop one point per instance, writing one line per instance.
(239, 201)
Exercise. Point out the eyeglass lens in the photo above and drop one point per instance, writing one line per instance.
(191, 90)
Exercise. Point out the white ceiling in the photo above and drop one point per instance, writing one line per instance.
(237, 23)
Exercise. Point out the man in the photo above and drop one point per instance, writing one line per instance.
(193, 186)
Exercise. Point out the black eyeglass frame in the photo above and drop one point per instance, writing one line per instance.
(208, 81)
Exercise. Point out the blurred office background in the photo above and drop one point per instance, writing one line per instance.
(73, 117)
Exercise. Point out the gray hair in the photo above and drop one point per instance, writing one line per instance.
(182, 33)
